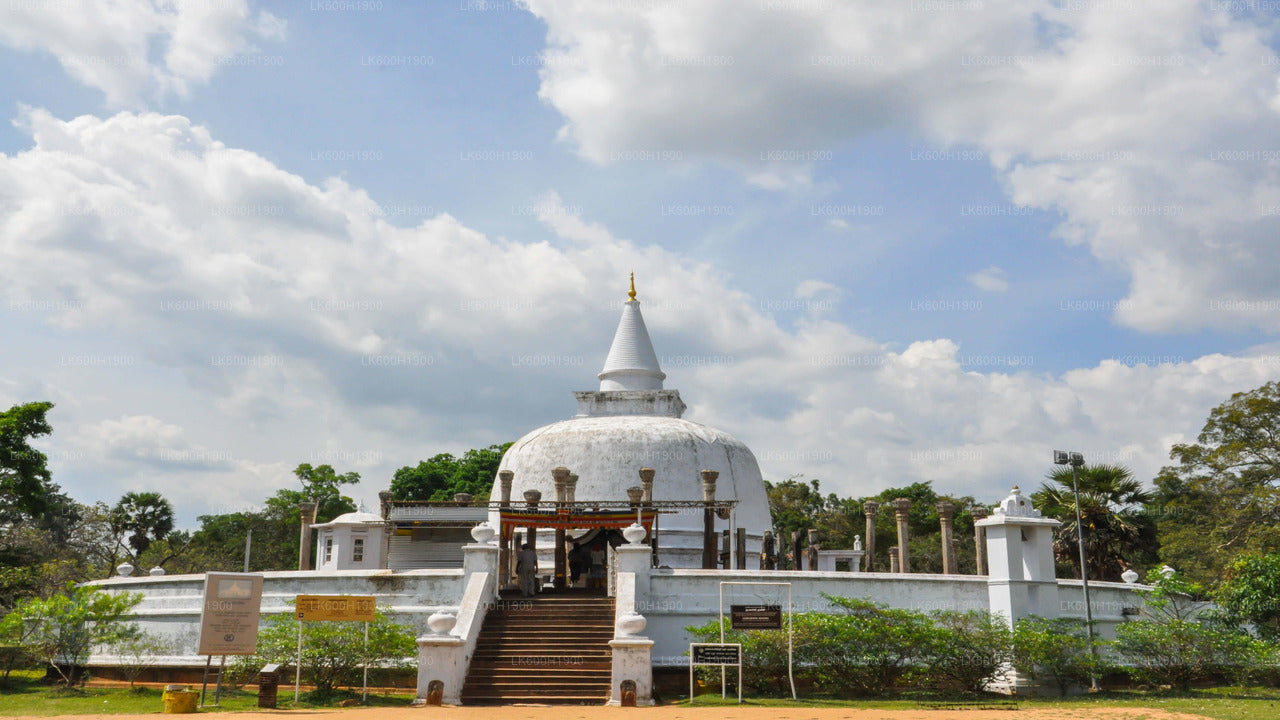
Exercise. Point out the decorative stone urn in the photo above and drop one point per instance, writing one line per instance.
(1129, 576)
(441, 622)
(631, 624)
(634, 533)
(156, 571)
(483, 533)
(124, 569)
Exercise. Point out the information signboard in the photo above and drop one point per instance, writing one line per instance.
(314, 608)
(755, 617)
(726, 654)
(229, 618)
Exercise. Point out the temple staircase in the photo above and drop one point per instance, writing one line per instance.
(550, 649)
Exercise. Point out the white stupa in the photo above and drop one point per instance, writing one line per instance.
(633, 422)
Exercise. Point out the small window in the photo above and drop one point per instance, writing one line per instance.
(357, 550)
(328, 549)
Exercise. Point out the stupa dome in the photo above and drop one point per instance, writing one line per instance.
(630, 423)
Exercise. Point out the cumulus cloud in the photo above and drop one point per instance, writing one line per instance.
(111, 45)
(292, 323)
(1150, 128)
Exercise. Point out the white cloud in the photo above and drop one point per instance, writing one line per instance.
(990, 279)
(1150, 127)
(108, 44)
(267, 321)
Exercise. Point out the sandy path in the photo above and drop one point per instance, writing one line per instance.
(527, 712)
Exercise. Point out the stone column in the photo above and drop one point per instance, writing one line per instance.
(709, 519)
(767, 552)
(797, 550)
(561, 477)
(979, 513)
(870, 508)
(531, 499)
(812, 552)
(571, 488)
(307, 511)
(504, 541)
(740, 549)
(893, 559)
(646, 482)
(384, 503)
(900, 508)
(946, 516)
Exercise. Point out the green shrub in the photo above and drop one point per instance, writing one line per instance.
(1056, 650)
(333, 653)
(1178, 643)
(870, 649)
(764, 653)
(970, 650)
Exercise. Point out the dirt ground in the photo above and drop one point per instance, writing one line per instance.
(528, 712)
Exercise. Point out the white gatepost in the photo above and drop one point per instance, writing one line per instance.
(444, 656)
(1021, 580)
(632, 653)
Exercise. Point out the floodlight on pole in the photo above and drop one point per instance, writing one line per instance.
(1075, 460)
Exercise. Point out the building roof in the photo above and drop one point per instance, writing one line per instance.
(351, 518)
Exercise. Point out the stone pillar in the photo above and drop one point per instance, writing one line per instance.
(646, 482)
(901, 507)
(384, 503)
(870, 508)
(979, 513)
(561, 477)
(571, 488)
(1021, 582)
(812, 553)
(709, 519)
(946, 516)
(504, 542)
(307, 512)
(893, 559)
(767, 552)
(797, 550)
(531, 499)
(741, 548)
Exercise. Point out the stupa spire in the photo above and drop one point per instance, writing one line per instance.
(632, 364)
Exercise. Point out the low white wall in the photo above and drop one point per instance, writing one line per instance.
(680, 598)
(171, 604)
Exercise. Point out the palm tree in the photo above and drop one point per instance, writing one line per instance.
(1118, 532)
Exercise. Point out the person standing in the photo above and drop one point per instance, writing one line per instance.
(527, 570)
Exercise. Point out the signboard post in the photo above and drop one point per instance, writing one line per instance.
(228, 620)
(759, 617)
(340, 608)
(722, 654)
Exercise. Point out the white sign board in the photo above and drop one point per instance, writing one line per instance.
(229, 618)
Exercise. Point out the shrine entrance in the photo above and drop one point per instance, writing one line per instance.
(585, 536)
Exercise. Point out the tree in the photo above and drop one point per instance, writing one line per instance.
(62, 629)
(1251, 591)
(441, 477)
(25, 482)
(1223, 496)
(1118, 531)
(139, 519)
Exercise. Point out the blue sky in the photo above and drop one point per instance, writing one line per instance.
(879, 245)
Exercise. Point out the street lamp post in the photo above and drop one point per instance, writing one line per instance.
(1075, 460)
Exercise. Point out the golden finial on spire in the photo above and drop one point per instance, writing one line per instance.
(631, 296)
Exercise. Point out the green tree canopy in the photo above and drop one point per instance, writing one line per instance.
(444, 475)
(1223, 496)
(139, 519)
(26, 487)
(1119, 533)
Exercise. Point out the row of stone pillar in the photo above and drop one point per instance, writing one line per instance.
(900, 557)
(566, 484)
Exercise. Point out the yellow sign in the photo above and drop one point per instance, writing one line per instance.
(335, 607)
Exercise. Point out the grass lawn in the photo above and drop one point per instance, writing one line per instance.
(24, 695)
(1219, 703)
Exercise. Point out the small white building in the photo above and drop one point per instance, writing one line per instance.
(350, 542)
